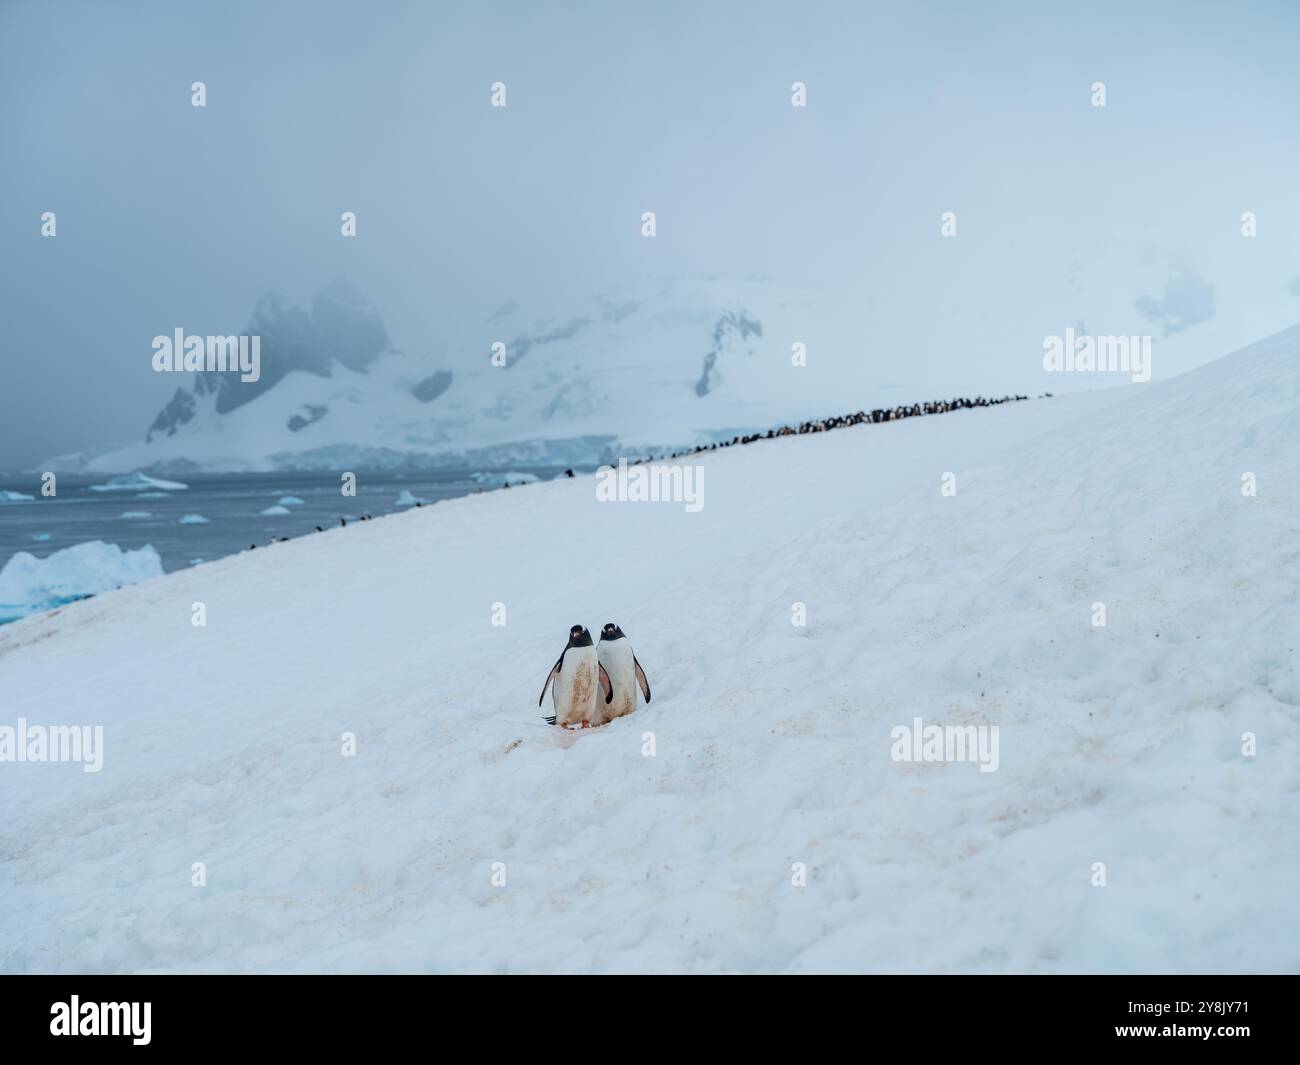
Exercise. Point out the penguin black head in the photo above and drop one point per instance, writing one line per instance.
(579, 636)
(611, 632)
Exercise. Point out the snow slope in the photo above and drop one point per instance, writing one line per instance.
(1119, 745)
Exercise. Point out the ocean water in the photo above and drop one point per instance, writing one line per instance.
(231, 504)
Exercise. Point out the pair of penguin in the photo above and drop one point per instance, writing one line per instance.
(591, 686)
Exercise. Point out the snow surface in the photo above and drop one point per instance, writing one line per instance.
(406, 499)
(28, 583)
(132, 482)
(1119, 745)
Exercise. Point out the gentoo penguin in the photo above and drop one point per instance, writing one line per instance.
(615, 656)
(582, 688)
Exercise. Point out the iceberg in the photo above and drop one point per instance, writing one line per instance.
(192, 519)
(14, 497)
(29, 584)
(275, 510)
(290, 501)
(408, 500)
(131, 482)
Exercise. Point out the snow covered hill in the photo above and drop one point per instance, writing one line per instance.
(1120, 745)
(688, 361)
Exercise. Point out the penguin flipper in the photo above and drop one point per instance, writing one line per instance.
(555, 672)
(605, 684)
(640, 679)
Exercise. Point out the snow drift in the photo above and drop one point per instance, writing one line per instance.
(1160, 750)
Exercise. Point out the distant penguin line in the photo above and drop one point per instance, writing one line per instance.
(591, 686)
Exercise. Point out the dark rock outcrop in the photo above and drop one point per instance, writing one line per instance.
(179, 410)
(350, 329)
(432, 387)
(314, 413)
(342, 327)
(734, 327)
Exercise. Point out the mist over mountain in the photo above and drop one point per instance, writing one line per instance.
(175, 215)
(342, 328)
(674, 364)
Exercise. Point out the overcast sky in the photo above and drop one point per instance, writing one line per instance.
(1125, 218)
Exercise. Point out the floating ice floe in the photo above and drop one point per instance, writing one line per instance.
(136, 514)
(408, 500)
(29, 584)
(40, 537)
(275, 510)
(192, 519)
(130, 482)
(290, 501)
(14, 497)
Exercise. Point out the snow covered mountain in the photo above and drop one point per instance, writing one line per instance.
(1159, 752)
(691, 361)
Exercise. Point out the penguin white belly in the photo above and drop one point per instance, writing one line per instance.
(576, 692)
(617, 658)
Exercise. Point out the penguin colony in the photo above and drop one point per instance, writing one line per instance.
(844, 421)
(823, 425)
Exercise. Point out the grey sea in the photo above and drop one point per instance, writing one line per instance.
(216, 514)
